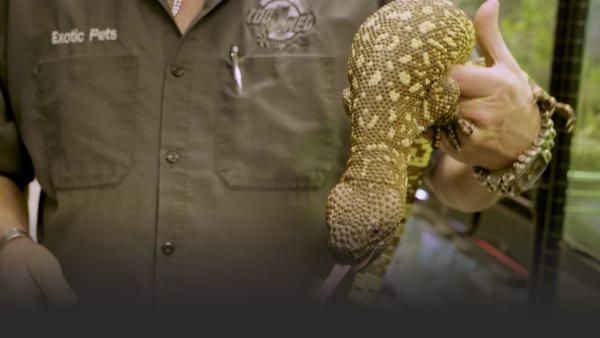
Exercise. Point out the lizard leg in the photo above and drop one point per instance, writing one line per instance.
(436, 137)
(440, 112)
(450, 132)
(462, 125)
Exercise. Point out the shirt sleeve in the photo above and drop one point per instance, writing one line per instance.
(15, 162)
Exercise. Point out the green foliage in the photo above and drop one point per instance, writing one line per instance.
(586, 143)
(528, 27)
(589, 101)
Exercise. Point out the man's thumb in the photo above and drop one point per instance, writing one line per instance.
(489, 37)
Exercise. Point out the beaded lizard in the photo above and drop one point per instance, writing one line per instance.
(398, 91)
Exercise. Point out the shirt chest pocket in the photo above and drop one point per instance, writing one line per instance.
(276, 132)
(87, 106)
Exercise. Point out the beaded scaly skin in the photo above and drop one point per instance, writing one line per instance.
(398, 90)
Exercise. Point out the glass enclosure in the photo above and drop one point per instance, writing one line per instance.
(528, 32)
(494, 250)
(528, 27)
(582, 226)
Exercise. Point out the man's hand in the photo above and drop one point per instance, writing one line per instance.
(31, 278)
(496, 99)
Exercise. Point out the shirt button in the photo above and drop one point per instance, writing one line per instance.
(168, 248)
(172, 157)
(177, 71)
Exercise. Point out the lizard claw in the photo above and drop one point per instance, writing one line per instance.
(567, 112)
(450, 132)
(465, 127)
(436, 137)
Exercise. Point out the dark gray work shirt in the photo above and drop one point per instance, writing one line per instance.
(162, 182)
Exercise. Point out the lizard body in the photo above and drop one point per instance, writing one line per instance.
(398, 90)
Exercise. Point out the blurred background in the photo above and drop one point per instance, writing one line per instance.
(502, 257)
(536, 251)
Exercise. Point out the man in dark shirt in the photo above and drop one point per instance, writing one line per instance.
(185, 149)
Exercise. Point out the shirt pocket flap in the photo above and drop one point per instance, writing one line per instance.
(87, 106)
(277, 132)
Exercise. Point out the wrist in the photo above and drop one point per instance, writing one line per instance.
(530, 165)
(13, 235)
(453, 184)
(523, 127)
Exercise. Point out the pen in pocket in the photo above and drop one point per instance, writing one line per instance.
(234, 55)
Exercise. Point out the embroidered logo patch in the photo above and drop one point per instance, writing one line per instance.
(280, 23)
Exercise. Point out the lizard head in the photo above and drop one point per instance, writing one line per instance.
(362, 224)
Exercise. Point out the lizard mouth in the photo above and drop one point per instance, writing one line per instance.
(359, 258)
(357, 247)
(338, 273)
(368, 260)
(372, 255)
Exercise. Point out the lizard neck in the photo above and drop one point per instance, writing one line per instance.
(378, 163)
(381, 144)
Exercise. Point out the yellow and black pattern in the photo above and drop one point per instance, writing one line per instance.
(367, 283)
(398, 90)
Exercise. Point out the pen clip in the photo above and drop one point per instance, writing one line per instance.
(234, 55)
